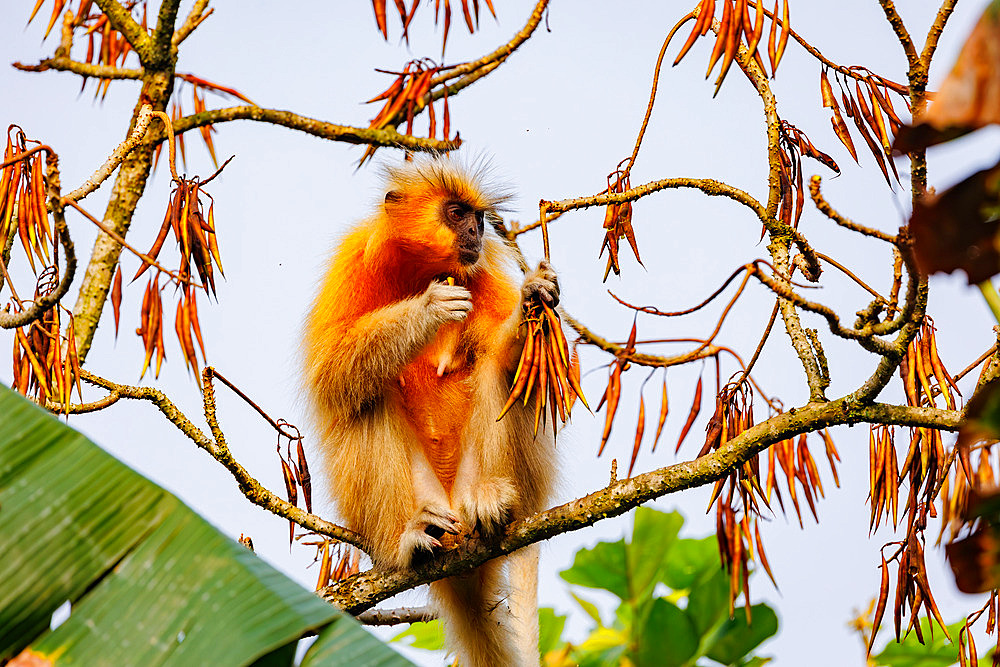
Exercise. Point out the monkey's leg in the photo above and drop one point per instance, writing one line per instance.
(433, 517)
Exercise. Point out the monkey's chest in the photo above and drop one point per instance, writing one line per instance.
(438, 408)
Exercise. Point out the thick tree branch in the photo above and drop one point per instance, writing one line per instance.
(122, 21)
(366, 589)
(162, 49)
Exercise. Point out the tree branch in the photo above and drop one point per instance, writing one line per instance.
(219, 450)
(896, 21)
(121, 20)
(366, 589)
(191, 23)
(930, 44)
(318, 128)
(43, 303)
(67, 64)
(117, 155)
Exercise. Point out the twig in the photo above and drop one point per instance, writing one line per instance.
(975, 364)
(119, 240)
(87, 70)
(193, 20)
(824, 207)
(249, 486)
(168, 127)
(352, 135)
(704, 351)
(43, 303)
(396, 616)
(843, 269)
(236, 390)
(104, 171)
(652, 91)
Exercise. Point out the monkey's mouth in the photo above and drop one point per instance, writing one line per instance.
(468, 256)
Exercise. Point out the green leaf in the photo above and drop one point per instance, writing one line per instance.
(668, 638)
(428, 636)
(344, 643)
(590, 608)
(149, 580)
(690, 560)
(604, 646)
(603, 566)
(708, 601)
(736, 639)
(653, 535)
(550, 629)
(937, 652)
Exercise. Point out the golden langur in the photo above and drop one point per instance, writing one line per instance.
(410, 350)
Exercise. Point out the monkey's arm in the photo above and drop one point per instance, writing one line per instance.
(351, 365)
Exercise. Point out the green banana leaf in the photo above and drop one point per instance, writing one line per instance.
(149, 582)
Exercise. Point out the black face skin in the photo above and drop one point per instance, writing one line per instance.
(468, 225)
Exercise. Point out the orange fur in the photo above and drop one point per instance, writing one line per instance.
(406, 383)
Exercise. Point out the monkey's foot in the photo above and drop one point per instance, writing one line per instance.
(423, 532)
(488, 505)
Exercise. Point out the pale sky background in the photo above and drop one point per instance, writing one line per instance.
(555, 120)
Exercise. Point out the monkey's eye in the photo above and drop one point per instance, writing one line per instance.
(455, 212)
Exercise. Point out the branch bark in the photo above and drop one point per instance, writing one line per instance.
(366, 589)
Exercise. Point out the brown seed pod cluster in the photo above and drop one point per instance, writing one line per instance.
(736, 24)
(194, 231)
(618, 221)
(105, 45)
(46, 365)
(294, 469)
(337, 560)
(406, 96)
(470, 10)
(22, 202)
(925, 469)
(546, 369)
(740, 497)
(870, 108)
(793, 146)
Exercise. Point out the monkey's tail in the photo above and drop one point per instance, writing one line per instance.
(486, 623)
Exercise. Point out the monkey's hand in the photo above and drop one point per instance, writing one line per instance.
(423, 532)
(541, 286)
(447, 303)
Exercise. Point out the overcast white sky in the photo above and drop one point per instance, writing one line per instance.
(555, 120)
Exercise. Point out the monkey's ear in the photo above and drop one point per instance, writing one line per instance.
(393, 197)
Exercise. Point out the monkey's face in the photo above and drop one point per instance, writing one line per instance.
(468, 225)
